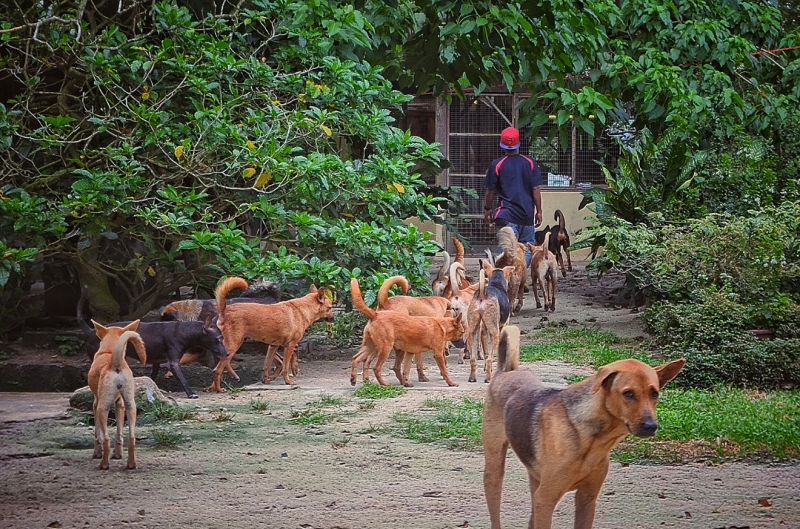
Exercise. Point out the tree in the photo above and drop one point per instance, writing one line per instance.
(154, 146)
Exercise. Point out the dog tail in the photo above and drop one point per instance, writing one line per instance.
(546, 245)
(87, 331)
(559, 217)
(225, 288)
(459, 250)
(358, 300)
(508, 349)
(482, 285)
(118, 358)
(383, 293)
(456, 273)
(507, 240)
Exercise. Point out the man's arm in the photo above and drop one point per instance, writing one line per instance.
(488, 206)
(537, 201)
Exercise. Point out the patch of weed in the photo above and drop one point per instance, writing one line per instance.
(70, 345)
(163, 412)
(258, 405)
(456, 423)
(584, 346)
(166, 438)
(221, 415)
(370, 390)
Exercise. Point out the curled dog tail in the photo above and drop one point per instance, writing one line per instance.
(508, 349)
(225, 288)
(439, 283)
(459, 250)
(358, 300)
(507, 240)
(559, 217)
(383, 293)
(118, 357)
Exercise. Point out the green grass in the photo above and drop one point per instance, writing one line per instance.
(456, 423)
(166, 438)
(258, 405)
(721, 424)
(313, 413)
(583, 346)
(161, 412)
(370, 390)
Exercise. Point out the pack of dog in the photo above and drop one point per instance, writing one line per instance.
(544, 275)
(389, 329)
(278, 325)
(563, 436)
(440, 284)
(487, 314)
(112, 384)
(166, 341)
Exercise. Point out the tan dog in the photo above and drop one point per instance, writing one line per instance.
(487, 314)
(564, 436)
(431, 306)
(280, 325)
(560, 241)
(111, 382)
(513, 255)
(460, 298)
(544, 274)
(406, 334)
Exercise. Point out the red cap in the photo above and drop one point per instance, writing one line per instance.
(509, 139)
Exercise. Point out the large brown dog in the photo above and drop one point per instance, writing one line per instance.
(406, 334)
(111, 382)
(564, 436)
(543, 274)
(280, 325)
(431, 306)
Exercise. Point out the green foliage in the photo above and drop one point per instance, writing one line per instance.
(252, 141)
(152, 412)
(258, 405)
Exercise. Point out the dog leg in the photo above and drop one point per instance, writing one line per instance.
(472, 344)
(130, 413)
(288, 355)
(543, 503)
(175, 367)
(491, 348)
(495, 449)
(569, 259)
(119, 411)
(441, 361)
(360, 356)
(383, 355)
(222, 364)
(98, 441)
(399, 356)
(101, 434)
(586, 503)
(266, 377)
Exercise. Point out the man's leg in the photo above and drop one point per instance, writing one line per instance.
(526, 234)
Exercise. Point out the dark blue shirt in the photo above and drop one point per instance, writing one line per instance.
(514, 188)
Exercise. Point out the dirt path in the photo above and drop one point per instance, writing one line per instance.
(263, 469)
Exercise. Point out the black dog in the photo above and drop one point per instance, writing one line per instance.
(165, 341)
(559, 240)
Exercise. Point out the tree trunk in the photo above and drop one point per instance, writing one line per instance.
(104, 307)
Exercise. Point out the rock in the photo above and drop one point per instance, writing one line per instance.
(146, 393)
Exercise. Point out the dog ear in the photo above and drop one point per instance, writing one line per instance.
(458, 317)
(320, 295)
(207, 323)
(132, 326)
(667, 372)
(100, 330)
(313, 289)
(603, 378)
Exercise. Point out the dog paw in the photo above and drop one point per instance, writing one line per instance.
(192, 396)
